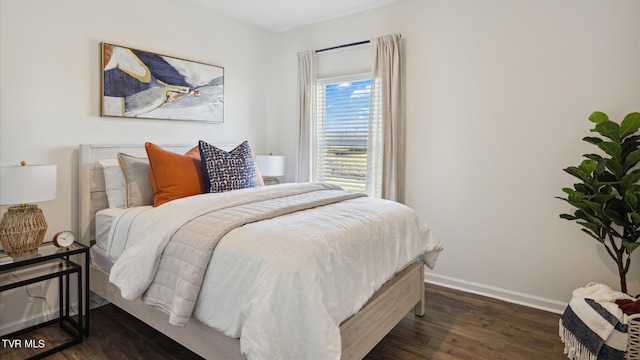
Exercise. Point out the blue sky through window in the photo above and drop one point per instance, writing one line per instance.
(347, 110)
(341, 155)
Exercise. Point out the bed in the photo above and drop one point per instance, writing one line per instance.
(358, 333)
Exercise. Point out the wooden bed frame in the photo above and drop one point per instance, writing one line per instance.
(360, 333)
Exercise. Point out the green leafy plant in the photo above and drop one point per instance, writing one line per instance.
(607, 198)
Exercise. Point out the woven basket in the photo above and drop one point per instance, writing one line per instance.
(22, 230)
(633, 347)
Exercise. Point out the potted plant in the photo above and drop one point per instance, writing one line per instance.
(607, 197)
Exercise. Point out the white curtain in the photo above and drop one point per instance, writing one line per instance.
(385, 166)
(306, 93)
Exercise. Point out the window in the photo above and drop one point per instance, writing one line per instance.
(342, 131)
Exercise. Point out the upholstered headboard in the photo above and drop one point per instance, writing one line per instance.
(93, 196)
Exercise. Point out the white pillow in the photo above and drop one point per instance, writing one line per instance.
(114, 183)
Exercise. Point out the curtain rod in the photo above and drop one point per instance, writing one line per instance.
(343, 46)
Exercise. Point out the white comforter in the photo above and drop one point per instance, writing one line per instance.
(285, 284)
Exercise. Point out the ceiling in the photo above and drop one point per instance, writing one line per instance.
(281, 15)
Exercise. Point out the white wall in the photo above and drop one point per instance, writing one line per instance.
(497, 99)
(50, 89)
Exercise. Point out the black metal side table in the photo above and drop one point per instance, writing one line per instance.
(48, 263)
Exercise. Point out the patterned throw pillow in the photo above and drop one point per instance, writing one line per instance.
(225, 171)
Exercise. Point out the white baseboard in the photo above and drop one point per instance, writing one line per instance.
(515, 297)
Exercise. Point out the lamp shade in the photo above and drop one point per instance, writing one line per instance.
(27, 184)
(270, 165)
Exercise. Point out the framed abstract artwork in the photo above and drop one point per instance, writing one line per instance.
(141, 84)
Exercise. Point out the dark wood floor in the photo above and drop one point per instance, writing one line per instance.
(457, 325)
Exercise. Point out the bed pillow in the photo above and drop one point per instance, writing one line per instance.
(174, 176)
(225, 171)
(114, 183)
(137, 180)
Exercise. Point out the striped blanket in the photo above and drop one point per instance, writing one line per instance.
(593, 327)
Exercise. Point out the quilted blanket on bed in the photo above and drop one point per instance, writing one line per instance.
(344, 248)
(186, 257)
(152, 232)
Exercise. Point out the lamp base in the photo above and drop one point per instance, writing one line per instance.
(269, 180)
(22, 230)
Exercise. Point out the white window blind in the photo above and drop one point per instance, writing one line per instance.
(341, 131)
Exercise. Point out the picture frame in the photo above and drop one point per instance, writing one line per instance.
(143, 84)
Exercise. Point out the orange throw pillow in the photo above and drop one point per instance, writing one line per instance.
(174, 176)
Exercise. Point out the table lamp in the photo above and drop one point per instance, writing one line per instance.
(23, 226)
(270, 166)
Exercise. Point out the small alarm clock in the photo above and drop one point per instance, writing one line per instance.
(64, 239)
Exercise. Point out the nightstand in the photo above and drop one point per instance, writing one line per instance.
(48, 263)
